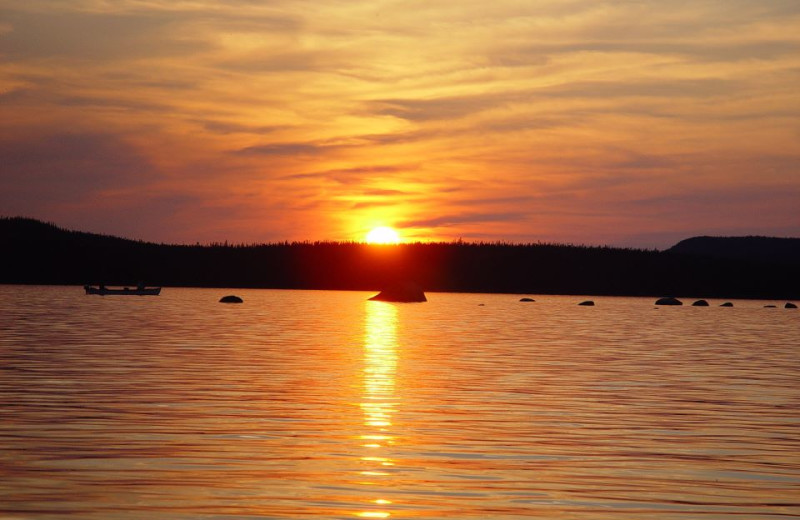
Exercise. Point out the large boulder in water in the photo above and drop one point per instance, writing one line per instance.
(587, 303)
(230, 299)
(790, 305)
(402, 293)
(527, 300)
(700, 303)
(668, 301)
(726, 304)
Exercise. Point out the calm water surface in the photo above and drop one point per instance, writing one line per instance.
(301, 404)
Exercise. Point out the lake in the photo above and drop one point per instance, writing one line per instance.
(320, 404)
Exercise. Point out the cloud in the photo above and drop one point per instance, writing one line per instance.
(713, 202)
(57, 173)
(695, 52)
(374, 204)
(92, 36)
(452, 108)
(267, 60)
(281, 149)
(240, 119)
(384, 192)
(356, 175)
(68, 165)
(436, 109)
(668, 89)
(453, 220)
(640, 161)
(225, 128)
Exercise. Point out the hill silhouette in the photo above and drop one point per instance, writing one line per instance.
(751, 248)
(40, 253)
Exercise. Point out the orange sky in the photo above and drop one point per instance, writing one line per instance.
(582, 121)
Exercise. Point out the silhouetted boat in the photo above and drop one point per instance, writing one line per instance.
(126, 291)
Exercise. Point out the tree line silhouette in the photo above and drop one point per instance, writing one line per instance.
(41, 253)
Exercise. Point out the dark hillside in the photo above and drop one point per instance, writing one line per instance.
(753, 248)
(39, 253)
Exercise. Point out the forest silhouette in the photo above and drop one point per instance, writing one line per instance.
(756, 267)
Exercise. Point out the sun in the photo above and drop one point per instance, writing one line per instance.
(383, 235)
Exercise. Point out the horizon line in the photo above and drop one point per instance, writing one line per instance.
(318, 242)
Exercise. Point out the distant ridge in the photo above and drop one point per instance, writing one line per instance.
(35, 252)
(21, 229)
(751, 248)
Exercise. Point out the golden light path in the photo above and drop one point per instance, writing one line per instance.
(378, 405)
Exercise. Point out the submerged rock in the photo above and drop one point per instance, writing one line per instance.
(790, 305)
(700, 303)
(401, 293)
(668, 301)
(527, 300)
(230, 299)
(726, 304)
(769, 306)
(587, 303)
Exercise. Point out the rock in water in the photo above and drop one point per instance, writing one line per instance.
(726, 304)
(587, 303)
(401, 293)
(769, 306)
(790, 305)
(668, 301)
(230, 299)
(527, 300)
(700, 303)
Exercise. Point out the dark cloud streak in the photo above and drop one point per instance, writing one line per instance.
(452, 220)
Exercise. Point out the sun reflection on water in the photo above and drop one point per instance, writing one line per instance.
(378, 402)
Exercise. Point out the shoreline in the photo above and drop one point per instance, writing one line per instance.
(687, 300)
(730, 268)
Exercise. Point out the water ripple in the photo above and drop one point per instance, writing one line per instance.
(301, 404)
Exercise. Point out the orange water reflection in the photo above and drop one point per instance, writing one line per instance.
(378, 400)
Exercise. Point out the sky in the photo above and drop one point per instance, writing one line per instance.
(626, 123)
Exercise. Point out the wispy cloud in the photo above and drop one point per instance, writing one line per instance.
(357, 175)
(588, 121)
(452, 220)
(290, 149)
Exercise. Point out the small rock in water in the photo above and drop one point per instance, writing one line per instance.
(230, 299)
(587, 303)
(527, 300)
(481, 305)
(726, 304)
(668, 301)
(769, 306)
(406, 292)
(790, 305)
(700, 303)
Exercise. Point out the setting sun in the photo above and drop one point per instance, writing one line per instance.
(383, 235)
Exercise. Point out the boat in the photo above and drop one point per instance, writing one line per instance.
(139, 290)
